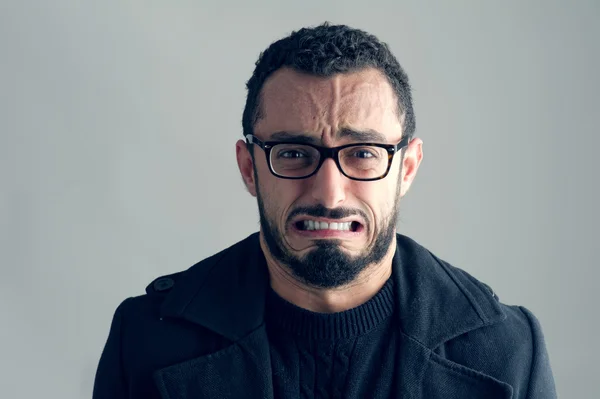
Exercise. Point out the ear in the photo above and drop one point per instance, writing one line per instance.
(410, 164)
(246, 165)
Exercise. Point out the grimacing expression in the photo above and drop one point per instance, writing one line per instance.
(327, 228)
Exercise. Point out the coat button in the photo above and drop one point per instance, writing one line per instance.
(163, 284)
(491, 291)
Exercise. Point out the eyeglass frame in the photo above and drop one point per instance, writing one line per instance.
(328, 152)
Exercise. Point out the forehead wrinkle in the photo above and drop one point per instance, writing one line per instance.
(374, 92)
(333, 110)
(324, 106)
(299, 99)
(368, 105)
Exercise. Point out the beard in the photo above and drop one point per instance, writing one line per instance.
(327, 266)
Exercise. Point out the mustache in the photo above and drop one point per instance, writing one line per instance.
(320, 211)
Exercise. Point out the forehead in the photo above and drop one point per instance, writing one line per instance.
(295, 102)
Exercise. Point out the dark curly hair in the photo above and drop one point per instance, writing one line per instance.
(326, 50)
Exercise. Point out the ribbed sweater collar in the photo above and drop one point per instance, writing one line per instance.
(290, 318)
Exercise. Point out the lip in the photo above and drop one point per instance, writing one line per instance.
(354, 219)
(327, 233)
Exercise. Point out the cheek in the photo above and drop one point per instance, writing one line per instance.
(379, 196)
(277, 194)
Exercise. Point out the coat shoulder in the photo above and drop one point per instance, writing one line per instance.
(512, 350)
(159, 289)
(518, 321)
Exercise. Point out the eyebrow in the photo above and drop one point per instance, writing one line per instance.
(360, 136)
(295, 137)
(364, 136)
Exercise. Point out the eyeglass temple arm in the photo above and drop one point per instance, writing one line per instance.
(251, 139)
(403, 143)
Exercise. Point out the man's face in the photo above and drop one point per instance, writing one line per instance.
(319, 109)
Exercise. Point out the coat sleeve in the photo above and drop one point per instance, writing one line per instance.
(110, 381)
(541, 380)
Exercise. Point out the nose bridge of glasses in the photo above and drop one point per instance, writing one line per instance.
(329, 169)
(327, 152)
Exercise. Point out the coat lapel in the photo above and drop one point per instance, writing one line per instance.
(424, 375)
(242, 370)
(226, 294)
(434, 306)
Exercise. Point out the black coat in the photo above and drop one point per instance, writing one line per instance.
(201, 334)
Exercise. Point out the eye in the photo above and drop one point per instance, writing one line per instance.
(291, 154)
(364, 153)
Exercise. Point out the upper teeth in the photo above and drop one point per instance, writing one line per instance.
(315, 225)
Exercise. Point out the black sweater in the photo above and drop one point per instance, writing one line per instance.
(340, 355)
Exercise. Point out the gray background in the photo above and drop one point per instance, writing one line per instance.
(117, 164)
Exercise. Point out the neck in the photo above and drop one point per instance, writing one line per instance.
(328, 300)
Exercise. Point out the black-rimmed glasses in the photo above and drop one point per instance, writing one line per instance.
(357, 161)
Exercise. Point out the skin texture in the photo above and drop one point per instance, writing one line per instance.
(322, 108)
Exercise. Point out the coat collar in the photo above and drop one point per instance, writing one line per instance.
(224, 293)
(436, 302)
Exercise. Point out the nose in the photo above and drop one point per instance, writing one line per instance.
(328, 187)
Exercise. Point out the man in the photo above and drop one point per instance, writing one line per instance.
(326, 300)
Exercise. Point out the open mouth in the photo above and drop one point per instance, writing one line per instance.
(312, 225)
